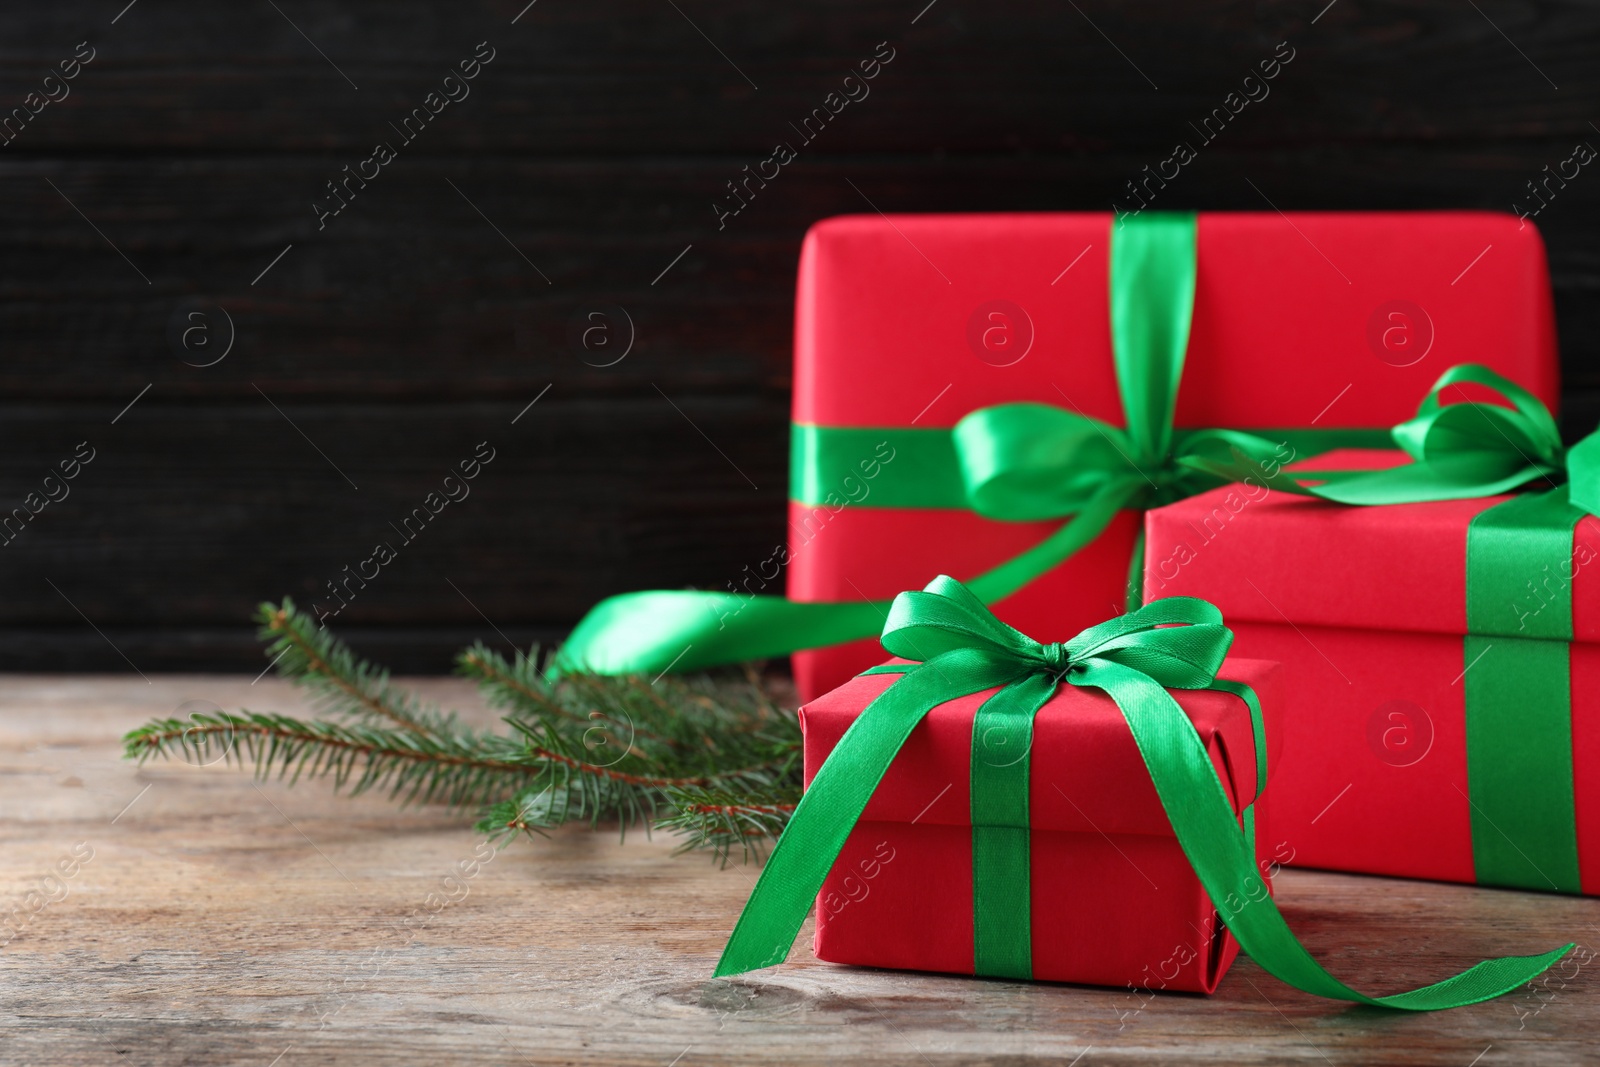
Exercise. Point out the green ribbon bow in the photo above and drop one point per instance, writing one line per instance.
(1012, 461)
(1518, 691)
(1458, 451)
(962, 648)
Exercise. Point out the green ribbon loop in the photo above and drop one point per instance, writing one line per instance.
(1517, 680)
(1178, 642)
(1458, 451)
(1015, 462)
(1024, 462)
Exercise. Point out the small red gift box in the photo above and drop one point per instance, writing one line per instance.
(907, 323)
(1115, 902)
(1367, 610)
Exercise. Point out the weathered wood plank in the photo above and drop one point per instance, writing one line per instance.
(639, 77)
(223, 922)
(410, 294)
(597, 141)
(191, 516)
(410, 646)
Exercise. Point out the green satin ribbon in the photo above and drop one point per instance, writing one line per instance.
(835, 467)
(961, 648)
(1458, 451)
(1012, 461)
(1517, 681)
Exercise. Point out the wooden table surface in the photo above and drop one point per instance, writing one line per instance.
(209, 919)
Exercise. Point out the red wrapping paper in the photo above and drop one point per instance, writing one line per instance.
(1291, 328)
(1365, 607)
(1114, 900)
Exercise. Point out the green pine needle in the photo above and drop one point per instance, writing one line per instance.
(713, 758)
(335, 679)
(721, 821)
(459, 770)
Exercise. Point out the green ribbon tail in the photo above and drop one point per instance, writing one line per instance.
(1178, 642)
(687, 630)
(830, 808)
(1209, 833)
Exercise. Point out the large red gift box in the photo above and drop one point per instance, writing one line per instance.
(1114, 900)
(1301, 319)
(1366, 608)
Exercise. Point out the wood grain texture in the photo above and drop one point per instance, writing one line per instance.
(142, 537)
(639, 77)
(179, 175)
(411, 294)
(223, 921)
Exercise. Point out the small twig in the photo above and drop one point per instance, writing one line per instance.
(620, 776)
(738, 809)
(158, 738)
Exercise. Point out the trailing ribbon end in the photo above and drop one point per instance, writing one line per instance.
(623, 634)
(685, 630)
(1480, 982)
(727, 968)
(1135, 658)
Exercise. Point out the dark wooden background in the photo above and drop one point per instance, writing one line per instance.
(596, 142)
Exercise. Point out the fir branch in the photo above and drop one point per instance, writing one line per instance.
(600, 770)
(521, 687)
(715, 758)
(337, 680)
(461, 771)
(630, 783)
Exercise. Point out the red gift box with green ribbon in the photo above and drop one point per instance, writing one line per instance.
(1099, 801)
(1092, 841)
(999, 396)
(1440, 638)
(1307, 328)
